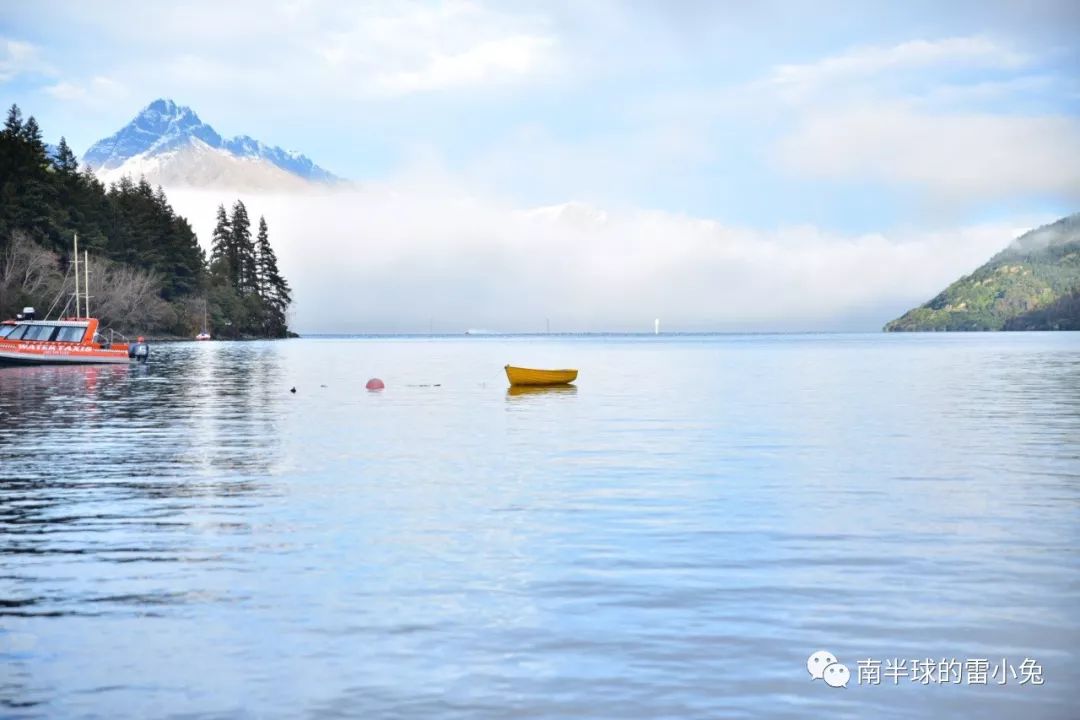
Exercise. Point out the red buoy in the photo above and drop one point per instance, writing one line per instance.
(375, 384)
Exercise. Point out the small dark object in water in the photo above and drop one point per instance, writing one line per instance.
(292, 390)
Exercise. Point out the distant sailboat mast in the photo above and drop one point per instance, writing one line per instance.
(656, 326)
(77, 314)
(86, 285)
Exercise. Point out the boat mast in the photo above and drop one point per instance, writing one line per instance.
(86, 285)
(77, 275)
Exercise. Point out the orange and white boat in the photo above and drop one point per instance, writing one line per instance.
(69, 341)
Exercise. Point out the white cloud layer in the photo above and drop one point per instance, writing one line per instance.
(860, 117)
(953, 157)
(490, 61)
(795, 80)
(322, 49)
(97, 91)
(18, 57)
(412, 257)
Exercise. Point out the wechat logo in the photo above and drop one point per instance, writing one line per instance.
(823, 665)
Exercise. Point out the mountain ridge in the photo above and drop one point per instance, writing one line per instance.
(170, 142)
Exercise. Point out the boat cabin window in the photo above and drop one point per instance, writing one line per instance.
(39, 332)
(71, 334)
(17, 333)
(5, 330)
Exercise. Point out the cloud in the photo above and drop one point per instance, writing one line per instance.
(705, 107)
(490, 61)
(327, 50)
(796, 80)
(17, 58)
(416, 48)
(956, 157)
(96, 91)
(409, 257)
(930, 118)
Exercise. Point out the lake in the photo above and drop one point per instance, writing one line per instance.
(672, 538)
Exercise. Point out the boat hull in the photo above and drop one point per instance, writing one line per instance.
(530, 377)
(9, 358)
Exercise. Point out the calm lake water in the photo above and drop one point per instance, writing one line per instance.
(671, 539)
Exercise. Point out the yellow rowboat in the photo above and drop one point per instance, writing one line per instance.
(526, 376)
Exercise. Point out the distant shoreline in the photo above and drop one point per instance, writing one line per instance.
(700, 333)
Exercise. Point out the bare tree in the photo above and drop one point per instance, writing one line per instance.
(28, 273)
(126, 298)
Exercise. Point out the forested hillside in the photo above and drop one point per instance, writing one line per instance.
(148, 273)
(1034, 284)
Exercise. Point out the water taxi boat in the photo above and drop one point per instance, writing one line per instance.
(519, 376)
(69, 341)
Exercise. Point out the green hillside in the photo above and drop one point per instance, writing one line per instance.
(1034, 284)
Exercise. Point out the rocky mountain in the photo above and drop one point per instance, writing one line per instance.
(170, 145)
(1033, 284)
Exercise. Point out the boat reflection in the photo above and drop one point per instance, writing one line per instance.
(518, 391)
(25, 382)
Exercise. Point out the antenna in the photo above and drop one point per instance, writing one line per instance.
(77, 275)
(86, 285)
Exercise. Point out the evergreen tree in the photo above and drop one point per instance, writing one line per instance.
(264, 254)
(29, 197)
(274, 291)
(31, 135)
(65, 161)
(242, 251)
(221, 239)
(13, 124)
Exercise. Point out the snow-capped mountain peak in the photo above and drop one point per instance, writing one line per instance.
(170, 144)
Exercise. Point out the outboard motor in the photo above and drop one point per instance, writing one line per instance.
(139, 351)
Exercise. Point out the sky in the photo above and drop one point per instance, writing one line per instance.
(795, 165)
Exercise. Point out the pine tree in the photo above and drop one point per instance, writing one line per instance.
(242, 256)
(13, 124)
(221, 239)
(65, 160)
(273, 288)
(31, 135)
(282, 299)
(32, 195)
(263, 255)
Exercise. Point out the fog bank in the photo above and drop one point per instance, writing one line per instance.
(417, 258)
